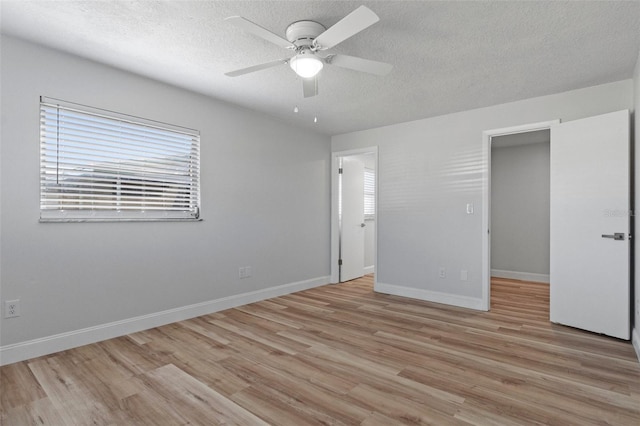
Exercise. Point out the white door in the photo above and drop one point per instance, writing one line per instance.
(589, 268)
(352, 219)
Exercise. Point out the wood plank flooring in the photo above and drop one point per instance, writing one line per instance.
(339, 355)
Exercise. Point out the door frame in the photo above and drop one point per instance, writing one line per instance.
(486, 197)
(335, 221)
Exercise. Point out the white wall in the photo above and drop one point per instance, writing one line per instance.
(428, 170)
(265, 204)
(520, 211)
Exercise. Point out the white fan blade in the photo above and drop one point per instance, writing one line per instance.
(360, 64)
(310, 86)
(256, 29)
(256, 68)
(348, 26)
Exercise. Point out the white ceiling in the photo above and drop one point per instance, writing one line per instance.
(447, 56)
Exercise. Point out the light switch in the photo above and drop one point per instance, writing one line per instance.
(469, 208)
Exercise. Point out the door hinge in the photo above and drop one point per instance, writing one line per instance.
(340, 171)
(339, 262)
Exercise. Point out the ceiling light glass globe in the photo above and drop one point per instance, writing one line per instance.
(306, 65)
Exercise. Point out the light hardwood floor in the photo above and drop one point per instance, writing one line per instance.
(339, 354)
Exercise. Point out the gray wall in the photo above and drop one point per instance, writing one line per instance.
(520, 208)
(429, 170)
(265, 204)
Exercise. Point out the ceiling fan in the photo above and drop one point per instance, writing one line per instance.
(307, 39)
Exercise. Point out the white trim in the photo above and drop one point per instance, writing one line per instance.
(486, 197)
(430, 296)
(369, 269)
(63, 341)
(335, 231)
(635, 339)
(523, 276)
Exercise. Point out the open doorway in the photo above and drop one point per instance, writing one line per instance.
(589, 240)
(516, 205)
(520, 197)
(353, 214)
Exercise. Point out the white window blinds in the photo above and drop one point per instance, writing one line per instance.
(100, 165)
(369, 193)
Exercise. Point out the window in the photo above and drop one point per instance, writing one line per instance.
(99, 165)
(369, 194)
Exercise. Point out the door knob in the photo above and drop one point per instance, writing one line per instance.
(362, 225)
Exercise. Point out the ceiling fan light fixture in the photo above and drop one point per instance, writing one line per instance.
(306, 64)
(306, 39)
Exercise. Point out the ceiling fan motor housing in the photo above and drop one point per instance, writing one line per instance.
(302, 33)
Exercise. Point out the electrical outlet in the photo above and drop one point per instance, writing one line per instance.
(442, 273)
(244, 272)
(12, 308)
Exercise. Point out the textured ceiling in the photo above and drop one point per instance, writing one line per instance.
(447, 56)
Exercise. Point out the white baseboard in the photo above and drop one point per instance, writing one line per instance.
(59, 342)
(524, 276)
(430, 296)
(635, 339)
(369, 269)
